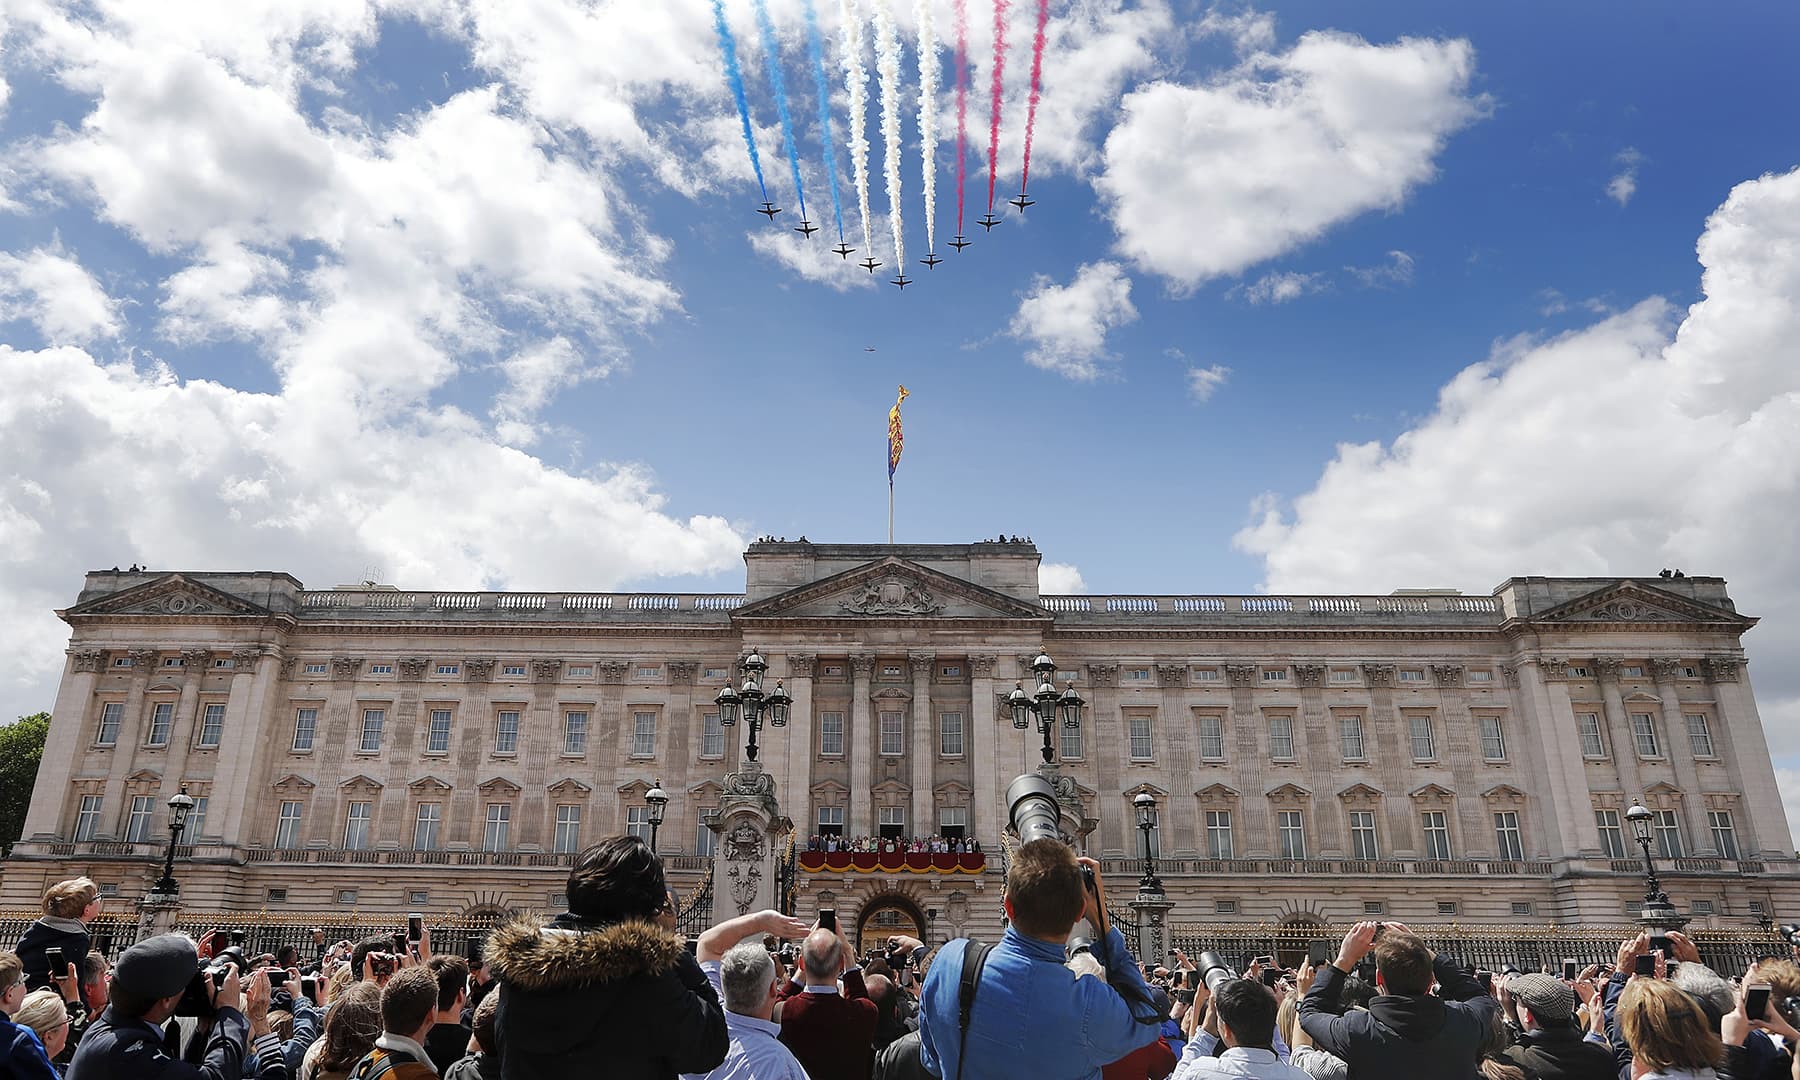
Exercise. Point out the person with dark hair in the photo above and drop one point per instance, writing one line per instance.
(1550, 1046)
(408, 1009)
(606, 982)
(448, 1039)
(1076, 1025)
(483, 1062)
(1240, 1017)
(352, 1024)
(1406, 1030)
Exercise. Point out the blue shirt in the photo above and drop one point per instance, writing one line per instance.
(756, 1053)
(1032, 1016)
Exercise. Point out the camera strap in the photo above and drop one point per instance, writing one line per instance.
(974, 959)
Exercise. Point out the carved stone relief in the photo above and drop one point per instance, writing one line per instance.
(1379, 674)
(346, 668)
(478, 668)
(412, 667)
(892, 596)
(88, 660)
(1310, 674)
(1241, 674)
(546, 671)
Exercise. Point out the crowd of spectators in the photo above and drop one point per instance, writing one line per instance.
(610, 988)
(879, 845)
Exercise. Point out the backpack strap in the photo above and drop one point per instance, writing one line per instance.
(974, 959)
(364, 1071)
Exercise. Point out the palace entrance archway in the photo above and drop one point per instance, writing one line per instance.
(883, 915)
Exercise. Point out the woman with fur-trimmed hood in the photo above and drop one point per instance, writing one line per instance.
(607, 987)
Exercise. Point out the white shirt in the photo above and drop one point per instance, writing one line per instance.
(1239, 1061)
(756, 1052)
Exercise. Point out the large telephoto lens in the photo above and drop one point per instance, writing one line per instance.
(1213, 971)
(1032, 809)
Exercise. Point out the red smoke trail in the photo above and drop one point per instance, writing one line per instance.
(1037, 79)
(962, 106)
(998, 86)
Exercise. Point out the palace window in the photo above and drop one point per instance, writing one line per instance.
(426, 826)
(137, 823)
(1668, 834)
(575, 731)
(893, 734)
(1206, 674)
(1592, 744)
(1343, 675)
(1643, 733)
(1479, 675)
(893, 822)
(1612, 836)
(87, 819)
(381, 669)
(1724, 833)
(568, 828)
(953, 822)
(1436, 828)
(1508, 843)
(356, 827)
(1281, 737)
(831, 821)
(162, 718)
(1424, 740)
(496, 833)
(1632, 671)
(449, 669)
(196, 822)
(581, 671)
(643, 734)
(287, 826)
(123, 661)
(950, 671)
(312, 669)
(1363, 844)
(637, 822)
(112, 714)
(712, 736)
(372, 722)
(1412, 675)
(1493, 739)
(506, 732)
(1350, 736)
(950, 734)
(1071, 743)
(1212, 738)
(1141, 747)
(1290, 828)
(831, 734)
(1699, 735)
(212, 726)
(512, 671)
(1218, 835)
(437, 736)
(1137, 674)
(705, 841)
(1274, 674)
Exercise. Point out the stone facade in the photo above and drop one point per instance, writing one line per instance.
(1311, 755)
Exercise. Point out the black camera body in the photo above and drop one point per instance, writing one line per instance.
(197, 999)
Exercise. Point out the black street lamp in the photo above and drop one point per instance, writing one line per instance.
(1145, 805)
(1656, 911)
(658, 801)
(1046, 705)
(753, 703)
(181, 804)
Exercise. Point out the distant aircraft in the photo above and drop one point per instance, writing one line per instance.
(868, 348)
(806, 227)
(989, 222)
(902, 281)
(770, 209)
(1022, 201)
(959, 243)
(931, 259)
(870, 264)
(843, 249)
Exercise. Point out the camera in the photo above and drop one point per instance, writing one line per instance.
(1032, 809)
(383, 963)
(197, 999)
(1213, 970)
(1790, 932)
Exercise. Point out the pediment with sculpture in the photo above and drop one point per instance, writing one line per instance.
(892, 588)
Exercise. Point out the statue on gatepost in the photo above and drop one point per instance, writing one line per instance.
(749, 826)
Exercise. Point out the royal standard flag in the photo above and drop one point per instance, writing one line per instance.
(895, 439)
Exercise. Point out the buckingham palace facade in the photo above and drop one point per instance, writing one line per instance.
(1429, 755)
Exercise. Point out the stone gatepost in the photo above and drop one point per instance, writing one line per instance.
(1153, 925)
(157, 914)
(750, 828)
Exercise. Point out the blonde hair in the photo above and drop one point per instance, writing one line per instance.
(1783, 977)
(42, 1012)
(1665, 1028)
(1287, 1016)
(68, 899)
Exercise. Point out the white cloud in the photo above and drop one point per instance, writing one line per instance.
(1278, 287)
(1206, 180)
(1248, 30)
(1060, 579)
(1653, 445)
(57, 295)
(1397, 271)
(814, 260)
(534, 376)
(1623, 185)
(1204, 382)
(1065, 326)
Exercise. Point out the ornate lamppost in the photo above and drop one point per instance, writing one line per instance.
(1045, 705)
(658, 802)
(181, 804)
(1145, 805)
(750, 699)
(1657, 911)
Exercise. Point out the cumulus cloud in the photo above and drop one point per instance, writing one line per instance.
(1208, 179)
(1397, 271)
(54, 293)
(1204, 382)
(1281, 286)
(1060, 579)
(813, 259)
(1065, 326)
(1660, 438)
(1623, 184)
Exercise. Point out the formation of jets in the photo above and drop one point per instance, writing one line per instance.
(931, 260)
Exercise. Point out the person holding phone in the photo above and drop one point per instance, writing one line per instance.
(831, 1032)
(1551, 1047)
(68, 907)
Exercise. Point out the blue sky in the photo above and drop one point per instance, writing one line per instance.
(474, 293)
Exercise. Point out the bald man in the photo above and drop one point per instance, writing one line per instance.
(832, 1032)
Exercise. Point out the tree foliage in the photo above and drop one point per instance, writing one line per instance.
(21, 748)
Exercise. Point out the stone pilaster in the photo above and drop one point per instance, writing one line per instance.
(924, 749)
(73, 719)
(984, 816)
(861, 736)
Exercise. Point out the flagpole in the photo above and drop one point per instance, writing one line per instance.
(890, 510)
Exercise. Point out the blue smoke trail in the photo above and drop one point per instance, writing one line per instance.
(816, 50)
(728, 46)
(772, 58)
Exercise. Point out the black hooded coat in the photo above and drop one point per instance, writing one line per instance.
(624, 1001)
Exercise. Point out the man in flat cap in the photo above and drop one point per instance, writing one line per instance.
(1553, 1048)
(126, 1042)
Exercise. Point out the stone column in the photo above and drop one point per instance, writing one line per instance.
(985, 816)
(862, 736)
(1153, 925)
(1250, 828)
(800, 741)
(1762, 826)
(1680, 752)
(745, 860)
(1106, 744)
(1548, 745)
(1318, 745)
(1618, 727)
(131, 738)
(252, 681)
(1179, 758)
(183, 726)
(71, 731)
(924, 754)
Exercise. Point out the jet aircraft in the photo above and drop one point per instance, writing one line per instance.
(959, 243)
(902, 281)
(842, 249)
(770, 209)
(931, 259)
(989, 222)
(1022, 201)
(870, 264)
(807, 227)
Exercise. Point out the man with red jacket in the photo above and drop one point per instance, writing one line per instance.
(831, 1032)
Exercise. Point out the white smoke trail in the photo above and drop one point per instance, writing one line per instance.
(856, 81)
(887, 67)
(928, 92)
